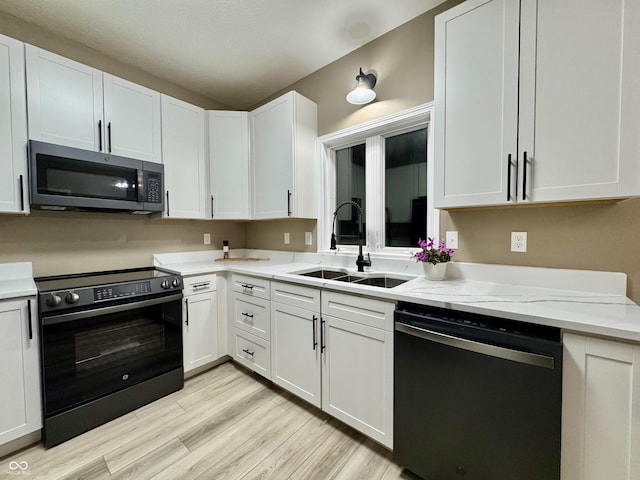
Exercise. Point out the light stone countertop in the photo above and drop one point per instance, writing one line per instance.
(574, 300)
(16, 280)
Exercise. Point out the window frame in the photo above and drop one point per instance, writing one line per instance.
(373, 134)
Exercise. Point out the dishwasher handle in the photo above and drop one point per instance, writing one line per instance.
(528, 358)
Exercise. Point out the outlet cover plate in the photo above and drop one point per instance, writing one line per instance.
(452, 239)
(519, 242)
(287, 238)
(308, 238)
(207, 239)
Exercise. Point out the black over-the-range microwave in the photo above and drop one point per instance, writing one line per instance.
(66, 178)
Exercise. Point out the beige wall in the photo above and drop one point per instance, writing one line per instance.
(73, 242)
(403, 62)
(269, 234)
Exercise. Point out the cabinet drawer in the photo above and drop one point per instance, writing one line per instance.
(365, 310)
(252, 315)
(296, 295)
(199, 284)
(252, 352)
(256, 287)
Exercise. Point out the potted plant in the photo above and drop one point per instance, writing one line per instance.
(434, 259)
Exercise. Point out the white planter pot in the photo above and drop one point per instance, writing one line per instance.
(435, 272)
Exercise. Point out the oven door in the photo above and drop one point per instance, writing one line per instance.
(92, 353)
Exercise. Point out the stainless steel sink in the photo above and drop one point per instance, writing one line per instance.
(342, 275)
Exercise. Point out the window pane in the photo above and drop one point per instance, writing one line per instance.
(350, 179)
(406, 188)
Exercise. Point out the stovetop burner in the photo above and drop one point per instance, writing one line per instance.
(62, 292)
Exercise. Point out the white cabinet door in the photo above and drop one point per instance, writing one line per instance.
(579, 99)
(132, 118)
(476, 103)
(20, 373)
(357, 377)
(64, 101)
(295, 351)
(200, 330)
(283, 148)
(13, 128)
(601, 409)
(229, 164)
(183, 154)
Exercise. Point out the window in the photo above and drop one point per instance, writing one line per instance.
(384, 166)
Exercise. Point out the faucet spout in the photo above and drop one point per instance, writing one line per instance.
(360, 261)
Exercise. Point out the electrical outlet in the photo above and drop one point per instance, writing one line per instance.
(287, 238)
(452, 240)
(308, 238)
(518, 241)
(207, 239)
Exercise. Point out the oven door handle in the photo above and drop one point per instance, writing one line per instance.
(534, 359)
(71, 317)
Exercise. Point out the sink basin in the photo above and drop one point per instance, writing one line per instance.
(324, 273)
(342, 275)
(381, 281)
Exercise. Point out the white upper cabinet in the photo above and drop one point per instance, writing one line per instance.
(283, 146)
(132, 117)
(229, 165)
(183, 153)
(519, 89)
(75, 105)
(13, 128)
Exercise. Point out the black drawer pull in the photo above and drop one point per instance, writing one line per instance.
(248, 352)
(248, 315)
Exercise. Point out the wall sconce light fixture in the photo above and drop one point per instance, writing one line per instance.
(363, 92)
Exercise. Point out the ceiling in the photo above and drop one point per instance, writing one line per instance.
(236, 52)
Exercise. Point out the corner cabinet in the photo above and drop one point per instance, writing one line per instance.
(21, 411)
(184, 157)
(229, 165)
(79, 106)
(14, 196)
(601, 409)
(200, 321)
(535, 102)
(283, 160)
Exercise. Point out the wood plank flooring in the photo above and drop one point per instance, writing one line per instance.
(226, 423)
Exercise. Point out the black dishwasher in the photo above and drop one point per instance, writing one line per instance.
(476, 397)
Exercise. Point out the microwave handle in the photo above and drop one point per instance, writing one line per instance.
(141, 186)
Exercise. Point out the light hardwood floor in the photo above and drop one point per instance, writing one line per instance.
(226, 423)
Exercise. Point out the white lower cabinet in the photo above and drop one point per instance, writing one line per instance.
(21, 411)
(295, 352)
(336, 351)
(250, 323)
(200, 321)
(601, 409)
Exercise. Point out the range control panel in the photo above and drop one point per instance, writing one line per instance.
(119, 291)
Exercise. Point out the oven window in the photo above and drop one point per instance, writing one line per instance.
(91, 357)
(77, 178)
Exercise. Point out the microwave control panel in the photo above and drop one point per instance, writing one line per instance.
(152, 187)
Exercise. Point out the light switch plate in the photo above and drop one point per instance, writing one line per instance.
(519, 242)
(287, 238)
(452, 239)
(207, 239)
(308, 238)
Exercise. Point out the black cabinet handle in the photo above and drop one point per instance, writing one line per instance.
(313, 326)
(109, 135)
(186, 303)
(509, 178)
(211, 206)
(248, 315)
(100, 135)
(167, 203)
(524, 176)
(22, 192)
(244, 285)
(322, 345)
(29, 319)
(288, 203)
(248, 352)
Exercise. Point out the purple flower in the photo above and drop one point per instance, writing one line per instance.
(429, 253)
